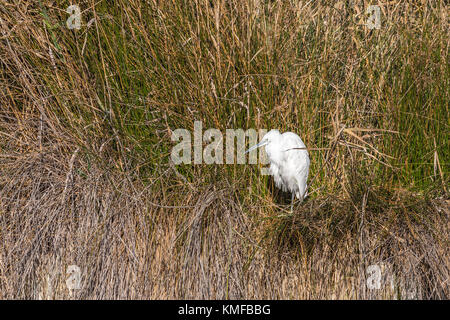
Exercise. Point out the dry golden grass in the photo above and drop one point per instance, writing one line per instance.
(85, 124)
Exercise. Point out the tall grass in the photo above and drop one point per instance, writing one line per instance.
(85, 140)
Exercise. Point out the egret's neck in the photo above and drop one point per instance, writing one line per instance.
(274, 151)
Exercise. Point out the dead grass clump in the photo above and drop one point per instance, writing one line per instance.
(405, 236)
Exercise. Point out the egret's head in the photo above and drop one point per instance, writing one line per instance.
(269, 137)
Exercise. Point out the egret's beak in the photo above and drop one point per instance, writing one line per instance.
(262, 143)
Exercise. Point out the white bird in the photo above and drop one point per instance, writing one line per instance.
(289, 162)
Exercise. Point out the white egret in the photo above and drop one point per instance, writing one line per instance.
(289, 162)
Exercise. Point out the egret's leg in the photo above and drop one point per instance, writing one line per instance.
(292, 203)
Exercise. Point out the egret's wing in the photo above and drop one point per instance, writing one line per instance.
(292, 140)
(296, 163)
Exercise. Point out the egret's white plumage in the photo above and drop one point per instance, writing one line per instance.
(289, 161)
